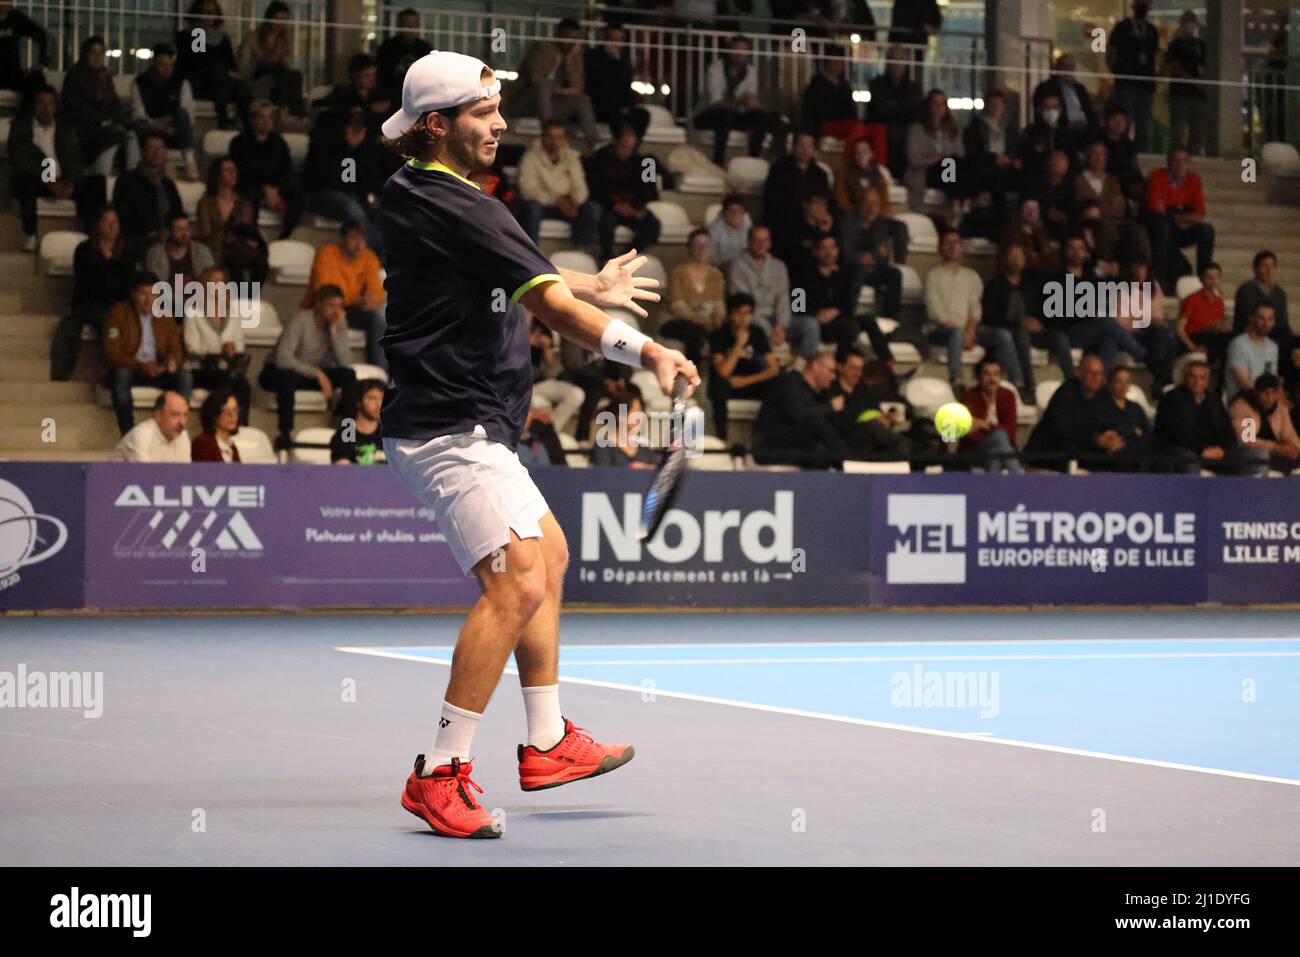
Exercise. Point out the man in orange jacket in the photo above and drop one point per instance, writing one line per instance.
(353, 267)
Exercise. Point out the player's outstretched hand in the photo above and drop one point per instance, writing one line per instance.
(617, 285)
(665, 363)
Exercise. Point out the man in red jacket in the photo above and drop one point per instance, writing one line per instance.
(992, 405)
(1176, 217)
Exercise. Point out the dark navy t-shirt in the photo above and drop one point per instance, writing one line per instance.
(457, 343)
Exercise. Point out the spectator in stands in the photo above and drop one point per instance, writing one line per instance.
(866, 428)
(828, 107)
(841, 16)
(1053, 187)
(222, 207)
(1185, 63)
(1070, 425)
(1042, 254)
(1252, 353)
(765, 278)
(1263, 288)
(620, 443)
(1194, 431)
(101, 278)
(858, 171)
(731, 103)
(564, 398)
(161, 100)
(143, 347)
(178, 253)
(1176, 217)
(351, 267)
(1119, 237)
(402, 48)
(357, 441)
(247, 256)
(353, 148)
(813, 225)
(614, 178)
(36, 137)
(1122, 154)
(952, 301)
(872, 246)
(896, 101)
(791, 181)
(795, 424)
(146, 196)
(214, 343)
(914, 22)
(994, 418)
(934, 147)
(729, 231)
(266, 60)
(608, 69)
(1261, 418)
(992, 149)
(91, 104)
(743, 363)
(211, 70)
(554, 186)
(552, 81)
(1132, 51)
(1010, 302)
(1077, 113)
(826, 290)
(162, 436)
(1156, 336)
(1045, 136)
(1089, 328)
(539, 444)
(266, 175)
(311, 353)
(362, 92)
(219, 419)
(16, 26)
(696, 298)
(1123, 430)
(1201, 321)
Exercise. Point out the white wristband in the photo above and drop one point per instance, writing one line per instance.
(621, 343)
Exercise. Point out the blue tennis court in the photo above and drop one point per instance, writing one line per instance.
(1217, 704)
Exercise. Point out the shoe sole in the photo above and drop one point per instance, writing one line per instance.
(607, 764)
(486, 831)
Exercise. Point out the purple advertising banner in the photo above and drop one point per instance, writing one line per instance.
(293, 536)
(42, 536)
(1039, 539)
(763, 539)
(1254, 541)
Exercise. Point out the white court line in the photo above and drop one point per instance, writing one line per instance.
(862, 722)
(867, 658)
(917, 642)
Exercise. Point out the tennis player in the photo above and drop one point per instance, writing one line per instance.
(460, 386)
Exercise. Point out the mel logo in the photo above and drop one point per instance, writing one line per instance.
(929, 538)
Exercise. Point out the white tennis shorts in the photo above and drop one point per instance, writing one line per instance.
(478, 489)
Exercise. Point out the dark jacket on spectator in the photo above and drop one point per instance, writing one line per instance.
(395, 56)
(26, 157)
(261, 164)
(794, 425)
(1122, 160)
(1052, 86)
(786, 188)
(1249, 295)
(136, 199)
(204, 448)
(1069, 423)
(997, 297)
(895, 103)
(13, 29)
(609, 84)
(88, 98)
(122, 335)
(325, 161)
(96, 280)
(908, 19)
(824, 101)
(608, 176)
(1130, 422)
(1182, 422)
(204, 68)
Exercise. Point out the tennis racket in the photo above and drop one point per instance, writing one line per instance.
(668, 476)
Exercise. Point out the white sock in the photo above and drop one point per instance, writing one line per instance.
(545, 723)
(456, 729)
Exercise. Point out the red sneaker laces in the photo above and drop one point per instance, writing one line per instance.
(462, 777)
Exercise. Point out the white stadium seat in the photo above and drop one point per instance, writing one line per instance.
(1281, 159)
(217, 142)
(675, 225)
(922, 236)
(574, 259)
(927, 393)
(254, 446)
(316, 435)
(262, 327)
(54, 257)
(663, 128)
(290, 261)
(1186, 286)
(555, 229)
(298, 144)
(712, 213)
(747, 174)
(1044, 392)
(190, 194)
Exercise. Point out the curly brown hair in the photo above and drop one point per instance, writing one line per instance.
(417, 139)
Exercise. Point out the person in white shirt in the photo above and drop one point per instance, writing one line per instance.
(162, 100)
(160, 438)
(214, 341)
(764, 277)
(731, 103)
(952, 300)
(554, 186)
(729, 231)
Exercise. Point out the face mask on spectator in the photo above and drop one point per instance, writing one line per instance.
(1051, 117)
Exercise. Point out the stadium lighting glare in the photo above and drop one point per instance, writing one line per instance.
(855, 38)
(143, 54)
(506, 74)
(861, 96)
(665, 89)
(113, 53)
(979, 102)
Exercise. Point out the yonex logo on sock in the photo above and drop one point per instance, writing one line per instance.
(443, 722)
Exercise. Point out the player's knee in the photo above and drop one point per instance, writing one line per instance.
(528, 591)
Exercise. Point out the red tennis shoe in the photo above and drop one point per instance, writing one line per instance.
(574, 757)
(444, 802)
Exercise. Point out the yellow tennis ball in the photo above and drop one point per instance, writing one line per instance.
(952, 420)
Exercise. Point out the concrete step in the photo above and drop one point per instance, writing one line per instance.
(17, 368)
(56, 454)
(32, 436)
(24, 394)
(28, 347)
(27, 324)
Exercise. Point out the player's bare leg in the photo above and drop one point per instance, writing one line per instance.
(538, 652)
